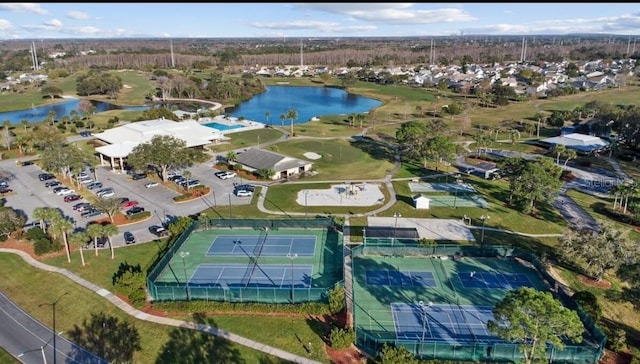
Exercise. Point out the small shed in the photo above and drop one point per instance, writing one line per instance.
(421, 202)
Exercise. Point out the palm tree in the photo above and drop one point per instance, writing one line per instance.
(95, 231)
(109, 230)
(61, 225)
(110, 206)
(538, 116)
(80, 239)
(25, 124)
(292, 115)
(231, 157)
(283, 117)
(42, 214)
(559, 149)
(7, 135)
(569, 154)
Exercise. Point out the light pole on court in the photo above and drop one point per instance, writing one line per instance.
(53, 307)
(292, 257)
(422, 310)
(455, 194)
(484, 219)
(183, 255)
(395, 226)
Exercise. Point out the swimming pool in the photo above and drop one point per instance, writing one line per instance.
(223, 126)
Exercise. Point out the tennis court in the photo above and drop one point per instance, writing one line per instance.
(457, 201)
(441, 187)
(443, 322)
(400, 278)
(271, 246)
(251, 260)
(423, 299)
(493, 280)
(259, 275)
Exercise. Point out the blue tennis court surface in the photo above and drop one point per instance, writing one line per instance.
(400, 278)
(242, 275)
(443, 322)
(494, 280)
(273, 246)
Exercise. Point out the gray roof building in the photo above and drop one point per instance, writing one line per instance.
(284, 166)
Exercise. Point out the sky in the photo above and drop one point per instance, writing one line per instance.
(310, 20)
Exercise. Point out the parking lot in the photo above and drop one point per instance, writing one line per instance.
(29, 193)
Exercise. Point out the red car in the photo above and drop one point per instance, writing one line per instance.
(71, 198)
(129, 204)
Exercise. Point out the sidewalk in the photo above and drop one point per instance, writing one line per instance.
(131, 311)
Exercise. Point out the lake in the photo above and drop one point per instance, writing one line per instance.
(277, 100)
(306, 100)
(39, 113)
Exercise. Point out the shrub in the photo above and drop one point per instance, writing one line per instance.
(589, 304)
(617, 340)
(341, 338)
(336, 300)
(138, 216)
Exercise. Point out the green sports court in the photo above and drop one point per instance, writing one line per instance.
(268, 261)
(436, 301)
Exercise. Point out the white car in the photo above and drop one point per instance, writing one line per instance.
(151, 184)
(244, 193)
(66, 191)
(226, 175)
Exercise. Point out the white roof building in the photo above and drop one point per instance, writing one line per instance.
(580, 142)
(124, 138)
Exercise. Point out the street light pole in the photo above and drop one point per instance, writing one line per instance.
(53, 307)
(305, 202)
(292, 257)
(395, 227)
(183, 255)
(230, 215)
(483, 218)
(215, 204)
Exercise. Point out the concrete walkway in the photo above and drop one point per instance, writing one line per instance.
(131, 311)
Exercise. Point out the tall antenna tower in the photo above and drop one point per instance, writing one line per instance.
(36, 67)
(432, 53)
(173, 60)
(301, 54)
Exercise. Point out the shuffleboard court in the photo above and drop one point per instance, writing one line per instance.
(271, 246)
(242, 275)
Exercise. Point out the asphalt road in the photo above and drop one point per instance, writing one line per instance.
(30, 193)
(22, 335)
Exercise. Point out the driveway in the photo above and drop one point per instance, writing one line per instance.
(30, 193)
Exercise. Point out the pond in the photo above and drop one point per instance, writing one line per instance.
(308, 101)
(37, 114)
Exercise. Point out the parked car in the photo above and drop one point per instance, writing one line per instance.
(128, 204)
(243, 193)
(246, 187)
(105, 191)
(5, 190)
(134, 210)
(91, 213)
(45, 176)
(226, 174)
(82, 206)
(52, 183)
(151, 184)
(4, 184)
(59, 188)
(66, 191)
(27, 163)
(138, 176)
(129, 238)
(159, 231)
(71, 198)
(94, 185)
(84, 134)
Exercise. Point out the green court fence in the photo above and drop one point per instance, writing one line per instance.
(372, 335)
(176, 291)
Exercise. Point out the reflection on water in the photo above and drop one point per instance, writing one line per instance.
(39, 113)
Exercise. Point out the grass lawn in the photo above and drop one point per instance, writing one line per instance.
(30, 287)
(245, 139)
(341, 159)
(10, 101)
(7, 358)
